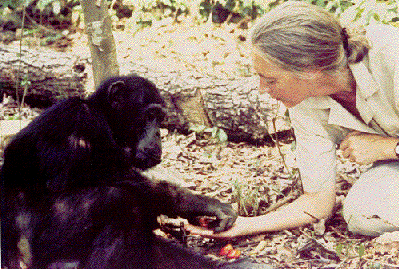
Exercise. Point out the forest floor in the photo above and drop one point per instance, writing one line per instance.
(256, 179)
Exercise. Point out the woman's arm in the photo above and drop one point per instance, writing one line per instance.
(308, 208)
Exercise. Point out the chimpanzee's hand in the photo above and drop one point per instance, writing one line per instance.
(207, 212)
(225, 217)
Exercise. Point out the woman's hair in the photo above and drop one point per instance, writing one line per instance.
(297, 35)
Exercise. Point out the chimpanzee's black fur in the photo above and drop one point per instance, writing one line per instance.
(71, 193)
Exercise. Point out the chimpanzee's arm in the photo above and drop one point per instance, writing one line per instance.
(172, 200)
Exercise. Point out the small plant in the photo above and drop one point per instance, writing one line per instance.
(345, 249)
(364, 12)
(215, 133)
(247, 199)
(25, 83)
(224, 10)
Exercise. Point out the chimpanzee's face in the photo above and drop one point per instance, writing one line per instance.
(147, 144)
(139, 110)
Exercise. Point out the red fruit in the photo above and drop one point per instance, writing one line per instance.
(226, 250)
(204, 222)
(234, 254)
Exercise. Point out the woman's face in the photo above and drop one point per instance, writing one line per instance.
(284, 86)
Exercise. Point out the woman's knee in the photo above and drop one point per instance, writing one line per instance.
(372, 205)
(365, 224)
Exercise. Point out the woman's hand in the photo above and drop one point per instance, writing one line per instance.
(240, 227)
(364, 148)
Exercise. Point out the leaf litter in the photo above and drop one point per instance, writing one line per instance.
(232, 170)
(214, 169)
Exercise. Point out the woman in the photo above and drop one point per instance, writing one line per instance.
(342, 91)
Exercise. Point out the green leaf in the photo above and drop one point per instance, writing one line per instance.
(9, 3)
(339, 248)
(361, 250)
(197, 128)
(56, 7)
(41, 5)
(222, 136)
(214, 131)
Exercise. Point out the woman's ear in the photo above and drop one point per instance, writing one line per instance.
(311, 74)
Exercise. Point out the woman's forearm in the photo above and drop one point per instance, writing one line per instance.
(308, 208)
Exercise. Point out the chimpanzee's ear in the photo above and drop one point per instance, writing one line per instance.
(116, 92)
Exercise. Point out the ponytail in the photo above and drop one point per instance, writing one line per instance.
(357, 44)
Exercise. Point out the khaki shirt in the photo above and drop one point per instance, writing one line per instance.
(321, 123)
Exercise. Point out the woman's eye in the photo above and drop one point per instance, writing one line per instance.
(267, 81)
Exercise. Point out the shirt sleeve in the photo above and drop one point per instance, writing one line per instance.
(315, 148)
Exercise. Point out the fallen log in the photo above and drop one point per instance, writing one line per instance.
(48, 75)
(232, 105)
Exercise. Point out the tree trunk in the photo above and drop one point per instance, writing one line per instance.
(101, 39)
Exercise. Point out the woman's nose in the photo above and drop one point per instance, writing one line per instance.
(263, 87)
(263, 90)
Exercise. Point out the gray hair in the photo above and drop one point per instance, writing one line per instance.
(298, 36)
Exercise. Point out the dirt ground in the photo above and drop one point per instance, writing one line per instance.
(254, 178)
(259, 174)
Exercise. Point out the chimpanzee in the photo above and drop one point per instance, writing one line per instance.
(72, 193)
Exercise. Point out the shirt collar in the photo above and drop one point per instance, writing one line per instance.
(337, 114)
(341, 117)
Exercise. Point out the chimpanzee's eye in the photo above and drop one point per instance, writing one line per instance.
(156, 113)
